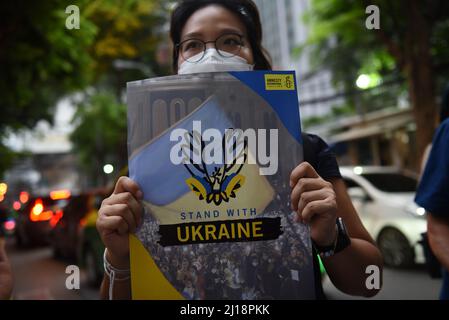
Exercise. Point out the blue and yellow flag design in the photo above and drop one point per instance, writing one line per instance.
(170, 190)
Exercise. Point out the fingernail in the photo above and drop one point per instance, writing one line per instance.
(139, 194)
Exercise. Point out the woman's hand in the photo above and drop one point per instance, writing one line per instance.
(315, 202)
(120, 215)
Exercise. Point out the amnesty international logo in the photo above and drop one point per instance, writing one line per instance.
(214, 183)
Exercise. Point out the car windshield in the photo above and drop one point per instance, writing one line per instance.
(392, 182)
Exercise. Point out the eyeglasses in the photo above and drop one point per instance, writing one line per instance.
(227, 45)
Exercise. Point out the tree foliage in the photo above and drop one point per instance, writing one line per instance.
(100, 134)
(412, 43)
(129, 30)
(42, 61)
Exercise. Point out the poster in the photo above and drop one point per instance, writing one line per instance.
(212, 154)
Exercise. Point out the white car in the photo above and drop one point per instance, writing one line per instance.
(384, 200)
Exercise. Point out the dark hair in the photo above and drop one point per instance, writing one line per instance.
(246, 10)
(444, 111)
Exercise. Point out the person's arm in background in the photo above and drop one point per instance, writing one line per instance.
(6, 281)
(438, 234)
(318, 203)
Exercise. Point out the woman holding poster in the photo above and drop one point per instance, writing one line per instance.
(226, 35)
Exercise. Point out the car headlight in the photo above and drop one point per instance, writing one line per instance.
(416, 211)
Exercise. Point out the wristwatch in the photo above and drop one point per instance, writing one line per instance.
(341, 242)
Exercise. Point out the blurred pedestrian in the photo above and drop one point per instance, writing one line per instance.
(6, 282)
(433, 195)
(200, 30)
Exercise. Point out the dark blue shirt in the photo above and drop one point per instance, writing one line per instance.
(433, 190)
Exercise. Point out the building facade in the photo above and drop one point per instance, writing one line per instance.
(283, 32)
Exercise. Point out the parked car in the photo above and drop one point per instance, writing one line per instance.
(384, 199)
(75, 236)
(64, 236)
(38, 216)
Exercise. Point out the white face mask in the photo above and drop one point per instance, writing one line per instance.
(214, 62)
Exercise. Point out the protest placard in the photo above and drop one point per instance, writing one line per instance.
(212, 154)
